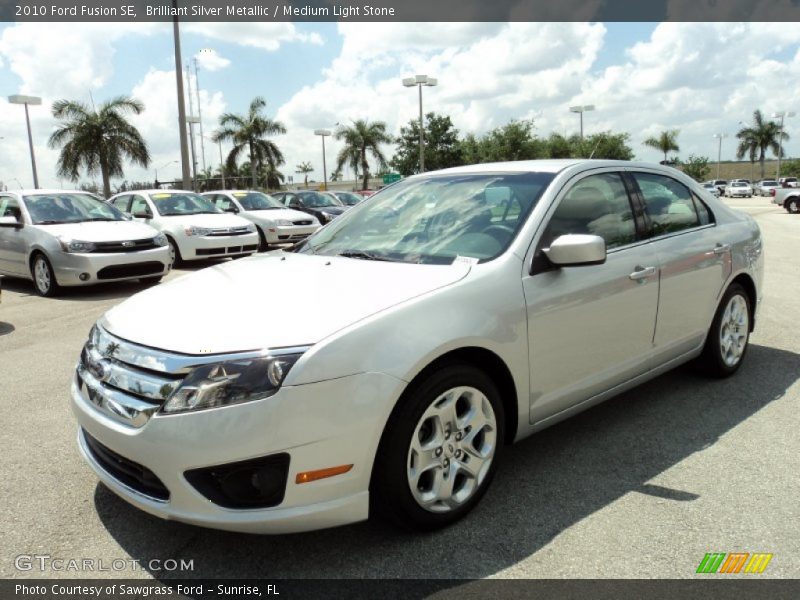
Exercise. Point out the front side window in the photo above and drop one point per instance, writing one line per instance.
(317, 200)
(121, 202)
(169, 204)
(139, 206)
(435, 219)
(52, 209)
(9, 207)
(668, 204)
(596, 205)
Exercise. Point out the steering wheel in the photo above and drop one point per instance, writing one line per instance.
(502, 233)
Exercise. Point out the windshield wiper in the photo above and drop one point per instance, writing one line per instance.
(102, 219)
(53, 222)
(363, 255)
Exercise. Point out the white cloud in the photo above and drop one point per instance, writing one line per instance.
(265, 36)
(210, 60)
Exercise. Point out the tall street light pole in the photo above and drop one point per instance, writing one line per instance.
(221, 164)
(783, 114)
(171, 162)
(419, 81)
(719, 149)
(33, 101)
(322, 133)
(580, 110)
(192, 120)
(176, 37)
(199, 110)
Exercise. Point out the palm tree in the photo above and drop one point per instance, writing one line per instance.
(98, 140)
(759, 137)
(359, 139)
(667, 141)
(273, 177)
(304, 169)
(250, 132)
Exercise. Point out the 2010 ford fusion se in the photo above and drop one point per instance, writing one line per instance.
(465, 310)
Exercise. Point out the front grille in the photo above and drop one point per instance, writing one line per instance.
(307, 222)
(226, 250)
(229, 231)
(133, 270)
(124, 246)
(127, 472)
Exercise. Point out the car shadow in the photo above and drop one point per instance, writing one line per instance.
(100, 291)
(544, 485)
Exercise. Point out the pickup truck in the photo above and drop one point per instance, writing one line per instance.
(788, 198)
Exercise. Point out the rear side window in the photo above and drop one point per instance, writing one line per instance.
(596, 205)
(668, 204)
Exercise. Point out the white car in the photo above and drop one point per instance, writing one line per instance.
(60, 238)
(711, 188)
(738, 189)
(765, 187)
(418, 333)
(276, 224)
(194, 227)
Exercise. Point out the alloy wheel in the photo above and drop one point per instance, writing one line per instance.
(41, 273)
(733, 331)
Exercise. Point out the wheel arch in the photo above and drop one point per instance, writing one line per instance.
(749, 286)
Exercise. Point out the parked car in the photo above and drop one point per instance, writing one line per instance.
(738, 189)
(323, 206)
(464, 309)
(194, 227)
(720, 184)
(275, 223)
(61, 238)
(788, 198)
(711, 189)
(765, 187)
(348, 198)
(747, 181)
(787, 182)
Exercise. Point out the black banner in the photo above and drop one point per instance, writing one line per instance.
(400, 10)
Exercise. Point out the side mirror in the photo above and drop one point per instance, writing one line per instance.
(143, 215)
(577, 250)
(10, 222)
(232, 209)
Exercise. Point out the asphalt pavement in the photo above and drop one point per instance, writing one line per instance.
(641, 486)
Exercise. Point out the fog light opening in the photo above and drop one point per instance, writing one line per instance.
(84, 276)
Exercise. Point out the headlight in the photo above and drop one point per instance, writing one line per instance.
(160, 240)
(251, 228)
(327, 217)
(76, 245)
(231, 382)
(197, 231)
(283, 223)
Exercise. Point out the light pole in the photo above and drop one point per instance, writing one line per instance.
(719, 149)
(419, 81)
(783, 114)
(176, 39)
(191, 120)
(322, 133)
(199, 110)
(221, 164)
(33, 101)
(161, 167)
(580, 110)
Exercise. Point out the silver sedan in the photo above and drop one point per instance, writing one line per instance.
(65, 238)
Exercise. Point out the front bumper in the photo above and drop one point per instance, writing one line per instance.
(323, 424)
(289, 234)
(200, 247)
(113, 266)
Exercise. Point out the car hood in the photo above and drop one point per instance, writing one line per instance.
(331, 210)
(277, 213)
(270, 301)
(100, 231)
(208, 221)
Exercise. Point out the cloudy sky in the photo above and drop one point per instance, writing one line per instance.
(642, 78)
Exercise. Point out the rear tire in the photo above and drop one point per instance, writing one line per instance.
(729, 335)
(44, 280)
(440, 449)
(793, 206)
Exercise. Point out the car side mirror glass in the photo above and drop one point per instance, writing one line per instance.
(576, 250)
(10, 222)
(232, 209)
(143, 215)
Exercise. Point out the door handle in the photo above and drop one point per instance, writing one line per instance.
(642, 273)
(722, 248)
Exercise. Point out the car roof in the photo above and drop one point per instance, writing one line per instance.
(30, 192)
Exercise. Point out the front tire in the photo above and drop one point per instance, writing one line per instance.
(440, 449)
(263, 246)
(729, 335)
(793, 206)
(174, 252)
(44, 280)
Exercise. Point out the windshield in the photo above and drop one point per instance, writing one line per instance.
(435, 219)
(49, 209)
(317, 200)
(349, 199)
(182, 203)
(738, 184)
(256, 201)
(769, 182)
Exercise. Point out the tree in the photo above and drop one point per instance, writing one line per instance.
(98, 140)
(304, 169)
(513, 141)
(666, 141)
(696, 167)
(361, 139)
(759, 137)
(442, 148)
(791, 168)
(249, 132)
(272, 177)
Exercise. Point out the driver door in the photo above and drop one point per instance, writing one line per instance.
(590, 328)
(13, 243)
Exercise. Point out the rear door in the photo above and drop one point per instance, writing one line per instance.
(694, 258)
(590, 328)
(13, 244)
